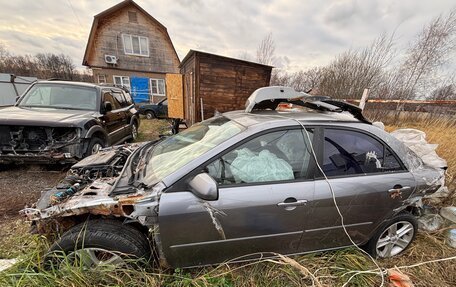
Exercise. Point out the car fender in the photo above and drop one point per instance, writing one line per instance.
(133, 119)
(95, 129)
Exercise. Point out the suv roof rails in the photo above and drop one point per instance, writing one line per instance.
(125, 88)
(271, 97)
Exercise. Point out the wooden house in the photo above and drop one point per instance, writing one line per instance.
(213, 83)
(127, 46)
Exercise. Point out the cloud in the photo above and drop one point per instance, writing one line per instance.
(307, 33)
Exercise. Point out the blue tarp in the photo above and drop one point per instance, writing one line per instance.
(140, 89)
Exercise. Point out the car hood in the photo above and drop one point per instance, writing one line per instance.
(44, 116)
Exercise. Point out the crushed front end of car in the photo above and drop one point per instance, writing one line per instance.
(91, 188)
(38, 144)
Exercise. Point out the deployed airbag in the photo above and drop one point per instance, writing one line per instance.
(266, 166)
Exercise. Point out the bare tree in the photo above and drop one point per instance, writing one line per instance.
(266, 51)
(353, 71)
(42, 66)
(432, 48)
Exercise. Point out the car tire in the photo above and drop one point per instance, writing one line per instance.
(150, 115)
(94, 146)
(394, 237)
(100, 241)
(134, 131)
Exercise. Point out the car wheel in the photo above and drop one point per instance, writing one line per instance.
(94, 146)
(100, 242)
(394, 237)
(150, 115)
(134, 131)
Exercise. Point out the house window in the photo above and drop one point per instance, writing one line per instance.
(122, 81)
(157, 87)
(136, 45)
(132, 17)
(101, 79)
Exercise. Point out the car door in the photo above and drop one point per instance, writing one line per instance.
(368, 182)
(163, 109)
(262, 207)
(123, 113)
(113, 120)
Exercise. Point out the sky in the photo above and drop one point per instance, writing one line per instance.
(307, 33)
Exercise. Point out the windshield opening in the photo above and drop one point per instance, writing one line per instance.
(60, 97)
(178, 150)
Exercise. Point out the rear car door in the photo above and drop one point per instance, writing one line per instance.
(114, 119)
(368, 182)
(264, 187)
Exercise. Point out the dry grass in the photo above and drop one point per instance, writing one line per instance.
(320, 269)
(151, 129)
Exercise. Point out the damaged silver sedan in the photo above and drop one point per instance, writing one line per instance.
(242, 185)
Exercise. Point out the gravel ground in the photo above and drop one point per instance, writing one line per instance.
(21, 186)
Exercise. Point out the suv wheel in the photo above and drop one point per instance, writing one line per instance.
(394, 237)
(150, 115)
(100, 242)
(134, 131)
(95, 145)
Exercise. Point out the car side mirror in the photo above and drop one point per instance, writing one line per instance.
(107, 106)
(204, 186)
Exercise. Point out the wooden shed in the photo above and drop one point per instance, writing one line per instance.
(215, 83)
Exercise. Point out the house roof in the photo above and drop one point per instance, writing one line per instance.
(113, 9)
(195, 52)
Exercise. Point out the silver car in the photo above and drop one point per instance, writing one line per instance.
(242, 185)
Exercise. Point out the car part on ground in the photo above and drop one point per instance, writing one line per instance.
(191, 181)
(62, 122)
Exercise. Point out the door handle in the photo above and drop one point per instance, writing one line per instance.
(294, 203)
(399, 188)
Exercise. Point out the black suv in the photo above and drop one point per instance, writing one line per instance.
(61, 121)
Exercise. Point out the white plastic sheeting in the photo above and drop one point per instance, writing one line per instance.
(266, 166)
(416, 141)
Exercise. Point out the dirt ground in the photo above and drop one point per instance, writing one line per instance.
(21, 186)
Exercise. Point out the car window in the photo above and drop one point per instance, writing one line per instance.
(165, 102)
(349, 152)
(120, 99)
(107, 96)
(128, 98)
(276, 156)
(61, 96)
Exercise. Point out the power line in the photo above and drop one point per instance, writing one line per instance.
(74, 12)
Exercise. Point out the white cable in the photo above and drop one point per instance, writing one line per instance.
(380, 271)
(339, 212)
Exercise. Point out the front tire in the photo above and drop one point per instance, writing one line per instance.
(150, 115)
(100, 242)
(94, 146)
(134, 131)
(394, 237)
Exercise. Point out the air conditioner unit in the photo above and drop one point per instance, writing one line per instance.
(110, 59)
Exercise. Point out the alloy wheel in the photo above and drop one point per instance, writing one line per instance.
(94, 257)
(134, 132)
(96, 148)
(395, 239)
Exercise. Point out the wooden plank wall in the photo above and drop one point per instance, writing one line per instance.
(225, 85)
(175, 94)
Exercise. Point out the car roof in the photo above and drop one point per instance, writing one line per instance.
(82, 84)
(289, 117)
